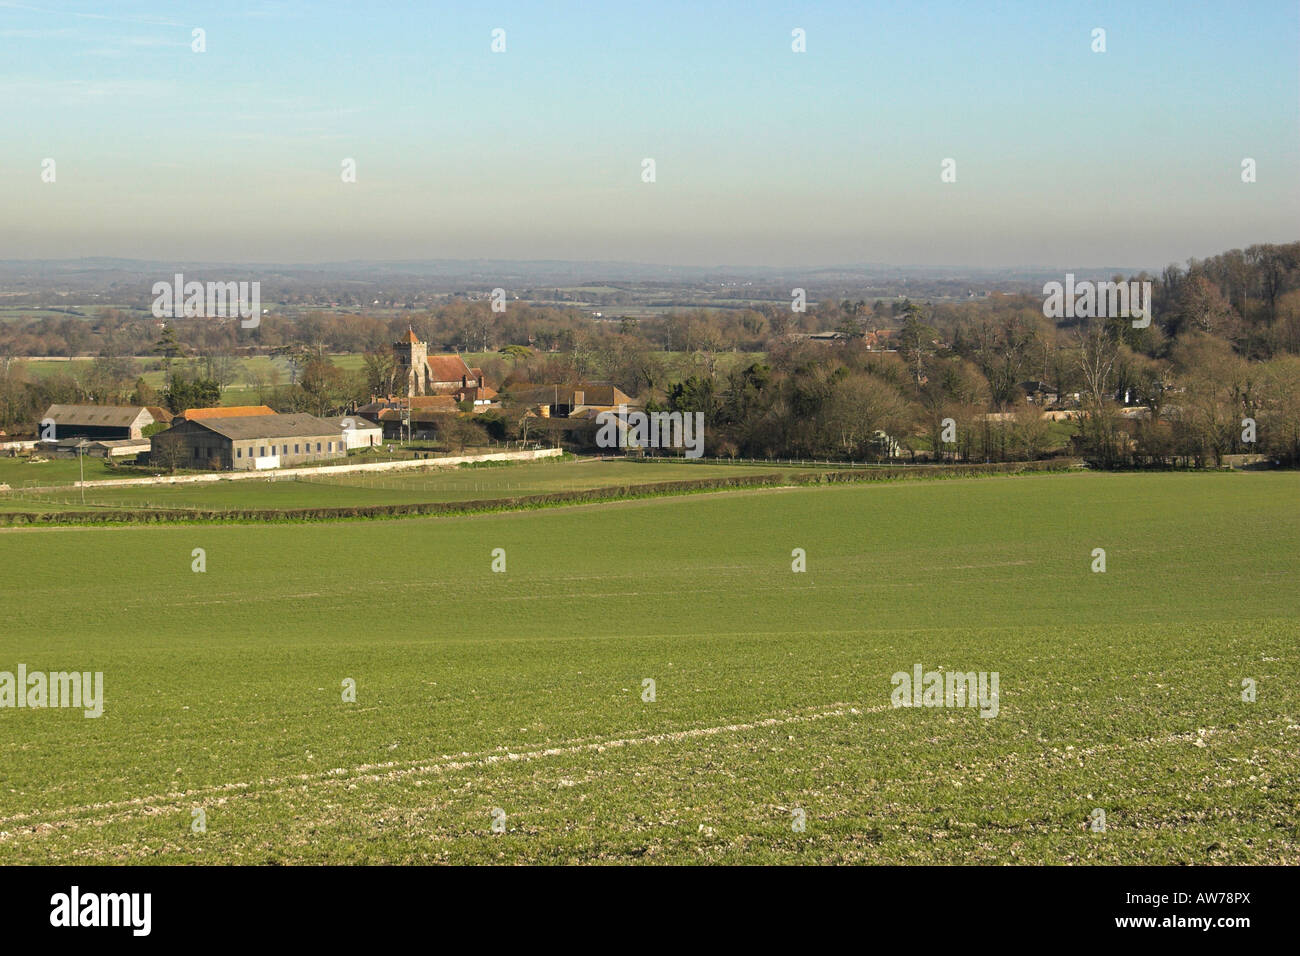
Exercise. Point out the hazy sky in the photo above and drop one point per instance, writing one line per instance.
(763, 156)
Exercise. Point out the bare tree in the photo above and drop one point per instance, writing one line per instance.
(167, 451)
(1097, 353)
(379, 369)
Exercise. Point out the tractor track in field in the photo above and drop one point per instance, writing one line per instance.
(63, 819)
(38, 823)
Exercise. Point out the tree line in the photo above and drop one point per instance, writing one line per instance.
(1215, 373)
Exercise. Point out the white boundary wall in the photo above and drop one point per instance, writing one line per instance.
(288, 474)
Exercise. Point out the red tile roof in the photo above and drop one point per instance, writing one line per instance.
(226, 411)
(448, 368)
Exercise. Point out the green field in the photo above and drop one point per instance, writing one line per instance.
(523, 690)
(20, 472)
(360, 489)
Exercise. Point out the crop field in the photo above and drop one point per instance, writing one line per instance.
(518, 701)
(378, 488)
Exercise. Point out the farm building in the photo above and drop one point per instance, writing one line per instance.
(116, 448)
(358, 431)
(93, 448)
(248, 442)
(95, 421)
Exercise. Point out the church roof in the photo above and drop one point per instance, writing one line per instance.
(448, 368)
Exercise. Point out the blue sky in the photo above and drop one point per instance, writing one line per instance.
(763, 156)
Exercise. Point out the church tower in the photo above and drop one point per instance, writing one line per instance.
(412, 361)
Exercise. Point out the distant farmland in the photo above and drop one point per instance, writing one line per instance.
(522, 694)
(359, 489)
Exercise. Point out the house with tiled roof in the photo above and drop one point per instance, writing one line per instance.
(419, 414)
(561, 401)
(415, 415)
(479, 396)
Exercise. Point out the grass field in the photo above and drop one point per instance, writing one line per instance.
(383, 488)
(523, 690)
(17, 472)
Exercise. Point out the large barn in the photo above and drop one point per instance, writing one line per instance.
(110, 422)
(248, 442)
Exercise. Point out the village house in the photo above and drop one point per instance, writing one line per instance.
(479, 397)
(565, 401)
(569, 413)
(414, 416)
(1038, 392)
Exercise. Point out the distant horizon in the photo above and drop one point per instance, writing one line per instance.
(738, 267)
(676, 133)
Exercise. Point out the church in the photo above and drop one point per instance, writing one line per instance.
(420, 373)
